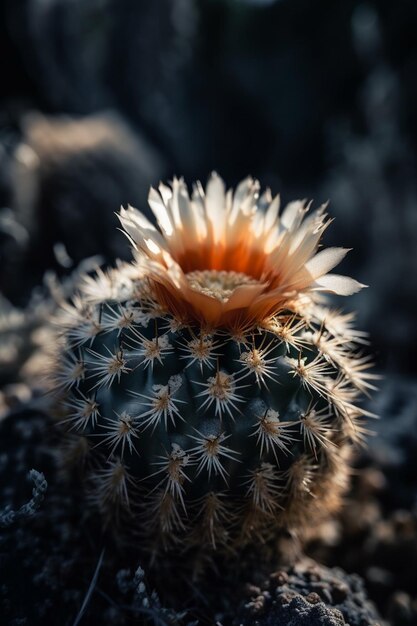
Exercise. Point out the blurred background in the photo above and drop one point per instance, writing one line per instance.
(99, 99)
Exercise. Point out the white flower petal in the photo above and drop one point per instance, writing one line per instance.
(340, 285)
(271, 214)
(161, 213)
(139, 228)
(325, 261)
(215, 203)
(292, 215)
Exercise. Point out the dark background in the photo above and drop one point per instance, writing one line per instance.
(317, 99)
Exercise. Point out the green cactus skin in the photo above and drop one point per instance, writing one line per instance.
(199, 440)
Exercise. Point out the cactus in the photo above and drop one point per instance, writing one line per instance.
(208, 393)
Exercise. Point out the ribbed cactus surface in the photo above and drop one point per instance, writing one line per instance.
(204, 435)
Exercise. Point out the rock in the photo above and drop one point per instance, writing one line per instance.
(308, 594)
(68, 178)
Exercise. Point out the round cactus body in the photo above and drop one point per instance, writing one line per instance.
(207, 390)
